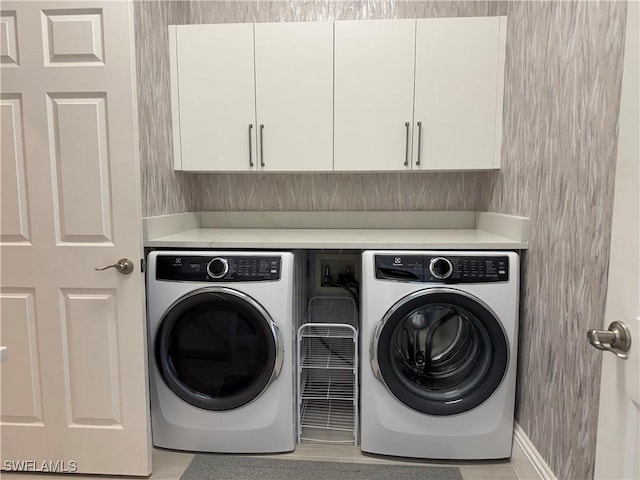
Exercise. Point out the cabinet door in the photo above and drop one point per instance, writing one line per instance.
(214, 81)
(374, 72)
(294, 96)
(459, 89)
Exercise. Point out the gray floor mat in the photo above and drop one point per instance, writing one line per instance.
(231, 467)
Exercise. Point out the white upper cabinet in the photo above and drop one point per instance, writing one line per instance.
(215, 107)
(374, 79)
(294, 96)
(419, 95)
(458, 93)
(245, 108)
(364, 95)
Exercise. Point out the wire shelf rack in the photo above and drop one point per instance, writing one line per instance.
(327, 330)
(339, 310)
(328, 353)
(323, 385)
(331, 414)
(328, 422)
(328, 372)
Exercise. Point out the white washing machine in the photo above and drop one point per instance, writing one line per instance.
(439, 345)
(221, 350)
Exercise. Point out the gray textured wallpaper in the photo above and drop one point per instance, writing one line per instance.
(342, 191)
(562, 90)
(163, 190)
(564, 71)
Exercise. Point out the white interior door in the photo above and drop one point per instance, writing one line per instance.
(373, 94)
(459, 91)
(294, 95)
(74, 387)
(618, 441)
(213, 75)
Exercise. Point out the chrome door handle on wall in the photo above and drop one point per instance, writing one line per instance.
(124, 266)
(261, 149)
(406, 153)
(616, 340)
(250, 159)
(419, 142)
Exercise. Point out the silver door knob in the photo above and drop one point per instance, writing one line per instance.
(124, 266)
(616, 340)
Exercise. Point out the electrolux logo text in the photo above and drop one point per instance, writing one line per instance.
(45, 466)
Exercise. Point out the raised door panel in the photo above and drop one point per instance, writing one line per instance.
(79, 154)
(374, 73)
(294, 96)
(73, 37)
(20, 381)
(9, 36)
(215, 96)
(458, 96)
(90, 352)
(14, 209)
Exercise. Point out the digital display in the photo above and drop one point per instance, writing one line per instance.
(199, 268)
(442, 268)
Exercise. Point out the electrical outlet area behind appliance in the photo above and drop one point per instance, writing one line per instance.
(335, 271)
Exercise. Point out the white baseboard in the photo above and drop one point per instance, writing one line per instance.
(526, 460)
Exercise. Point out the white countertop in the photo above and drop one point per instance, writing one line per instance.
(290, 238)
(509, 233)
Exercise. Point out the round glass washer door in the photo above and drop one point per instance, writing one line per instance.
(218, 349)
(440, 351)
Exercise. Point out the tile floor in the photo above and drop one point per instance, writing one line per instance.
(169, 465)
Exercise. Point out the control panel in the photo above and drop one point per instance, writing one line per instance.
(443, 268)
(214, 268)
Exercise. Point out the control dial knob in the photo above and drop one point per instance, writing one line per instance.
(218, 267)
(440, 268)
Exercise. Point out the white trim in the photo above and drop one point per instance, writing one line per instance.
(526, 460)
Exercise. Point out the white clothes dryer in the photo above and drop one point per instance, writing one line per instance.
(439, 347)
(221, 350)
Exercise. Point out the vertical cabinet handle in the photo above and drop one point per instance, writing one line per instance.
(261, 149)
(250, 159)
(406, 152)
(419, 142)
